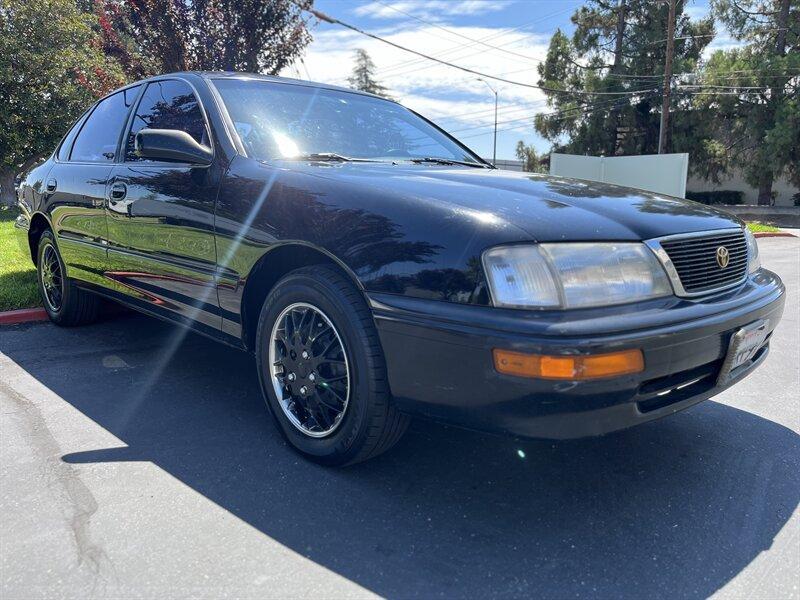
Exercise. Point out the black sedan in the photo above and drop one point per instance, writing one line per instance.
(380, 269)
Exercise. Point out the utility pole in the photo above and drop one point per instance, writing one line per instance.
(618, 40)
(662, 132)
(494, 146)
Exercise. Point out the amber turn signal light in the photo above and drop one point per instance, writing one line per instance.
(591, 366)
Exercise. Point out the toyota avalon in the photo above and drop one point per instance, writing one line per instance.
(379, 269)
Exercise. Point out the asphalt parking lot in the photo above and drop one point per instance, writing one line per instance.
(138, 461)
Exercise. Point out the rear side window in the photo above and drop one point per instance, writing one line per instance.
(169, 104)
(66, 145)
(97, 140)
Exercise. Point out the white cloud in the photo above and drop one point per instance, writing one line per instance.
(431, 9)
(695, 11)
(722, 41)
(431, 88)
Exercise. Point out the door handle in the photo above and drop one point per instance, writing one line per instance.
(118, 191)
(51, 185)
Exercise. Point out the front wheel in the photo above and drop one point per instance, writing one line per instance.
(322, 369)
(65, 303)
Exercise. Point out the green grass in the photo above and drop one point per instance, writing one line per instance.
(757, 227)
(17, 275)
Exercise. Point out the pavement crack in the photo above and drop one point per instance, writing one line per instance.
(78, 501)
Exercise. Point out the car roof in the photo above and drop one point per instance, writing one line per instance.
(243, 76)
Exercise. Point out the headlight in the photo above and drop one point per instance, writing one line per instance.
(573, 275)
(753, 261)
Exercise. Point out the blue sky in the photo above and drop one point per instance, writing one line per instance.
(455, 100)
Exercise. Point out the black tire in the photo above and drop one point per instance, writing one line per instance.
(370, 424)
(74, 305)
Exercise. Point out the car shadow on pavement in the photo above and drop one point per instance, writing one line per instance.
(677, 507)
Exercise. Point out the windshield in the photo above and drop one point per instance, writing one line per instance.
(279, 120)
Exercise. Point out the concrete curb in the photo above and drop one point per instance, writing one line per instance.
(25, 315)
(765, 234)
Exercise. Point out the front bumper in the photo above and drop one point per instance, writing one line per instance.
(439, 359)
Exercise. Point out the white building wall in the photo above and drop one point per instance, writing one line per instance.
(645, 174)
(660, 173)
(506, 164)
(783, 189)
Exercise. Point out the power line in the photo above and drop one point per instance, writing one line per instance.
(723, 87)
(685, 89)
(452, 52)
(510, 108)
(715, 93)
(563, 113)
(713, 77)
(624, 76)
(504, 73)
(455, 50)
(423, 56)
(708, 35)
(528, 118)
(586, 108)
(450, 31)
(566, 111)
(777, 71)
(323, 17)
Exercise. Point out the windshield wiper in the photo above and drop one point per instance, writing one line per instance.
(449, 161)
(331, 156)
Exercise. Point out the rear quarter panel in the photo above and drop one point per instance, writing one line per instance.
(29, 200)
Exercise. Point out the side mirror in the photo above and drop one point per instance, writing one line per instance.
(171, 144)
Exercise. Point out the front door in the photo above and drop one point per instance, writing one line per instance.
(160, 215)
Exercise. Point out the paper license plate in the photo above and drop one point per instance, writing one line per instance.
(743, 346)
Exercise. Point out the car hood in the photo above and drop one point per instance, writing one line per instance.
(547, 208)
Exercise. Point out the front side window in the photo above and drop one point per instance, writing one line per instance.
(278, 120)
(169, 104)
(98, 137)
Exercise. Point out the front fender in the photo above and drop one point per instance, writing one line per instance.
(391, 242)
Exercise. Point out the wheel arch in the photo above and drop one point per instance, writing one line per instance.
(271, 267)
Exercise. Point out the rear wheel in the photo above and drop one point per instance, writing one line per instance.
(65, 303)
(322, 369)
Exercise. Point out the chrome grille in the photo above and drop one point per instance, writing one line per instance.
(695, 260)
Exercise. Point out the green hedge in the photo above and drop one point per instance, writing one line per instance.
(717, 197)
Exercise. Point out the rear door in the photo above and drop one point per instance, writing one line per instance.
(161, 214)
(75, 188)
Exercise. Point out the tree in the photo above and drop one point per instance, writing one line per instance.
(619, 48)
(117, 42)
(363, 77)
(530, 161)
(51, 69)
(753, 92)
(259, 36)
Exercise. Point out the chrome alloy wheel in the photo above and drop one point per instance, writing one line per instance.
(309, 369)
(52, 279)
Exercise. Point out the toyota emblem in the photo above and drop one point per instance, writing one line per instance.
(723, 257)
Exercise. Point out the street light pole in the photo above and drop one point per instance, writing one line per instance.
(494, 145)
